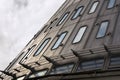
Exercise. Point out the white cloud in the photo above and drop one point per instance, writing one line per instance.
(19, 21)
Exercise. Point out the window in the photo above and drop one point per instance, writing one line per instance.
(79, 35)
(78, 12)
(62, 69)
(94, 6)
(115, 61)
(59, 41)
(91, 65)
(38, 74)
(102, 29)
(27, 54)
(21, 78)
(63, 18)
(111, 3)
(42, 46)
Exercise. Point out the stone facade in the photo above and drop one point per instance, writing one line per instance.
(80, 42)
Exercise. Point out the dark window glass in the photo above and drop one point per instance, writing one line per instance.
(111, 3)
(59, 41)
(102, 29)
(91, 65)
(79, 35)
(115, 61)
(94, 7)
(62, 69)
(63, 18)
(78, 12)
(38, 74)
(42, 46)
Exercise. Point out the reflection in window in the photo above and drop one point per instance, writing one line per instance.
(102, 29)
(59, 41)
(21, 78)
(115, 61)
(78, 12)
(91, 65)
(63, 18)
(94, 6)
(111, 3)
(62, 69)
(42, 46)
(38, 74)
(79, 34)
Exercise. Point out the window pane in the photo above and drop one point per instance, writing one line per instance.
(62, 69)
(60, 39)
(63, 19)
(111, 3)
(27, 54)
(102, 29)
(93, 8)
(41, 73)
(79, 34)
(94, 64)
(42, 47)
(115, 61)
(77, 12)
(21, 78)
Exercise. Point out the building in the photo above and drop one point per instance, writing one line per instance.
(81, 41)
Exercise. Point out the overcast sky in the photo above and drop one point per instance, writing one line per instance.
(19, 21)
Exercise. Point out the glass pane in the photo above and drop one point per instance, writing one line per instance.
(102, 29)
(32, 76)
(79, 34)
(42, 46)
(21, 78)
(94, 64)
(115, 61)
(111, 3)
(77, 12)
(63, 18)
(41, 73)
(93, 8)
(62, 69)
(60, 39)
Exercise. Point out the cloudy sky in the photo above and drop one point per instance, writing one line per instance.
(19, 21)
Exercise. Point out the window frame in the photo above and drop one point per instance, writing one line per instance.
(89, 69)
(62, 18)
(40, 46)
(82, 35)
(100, 27)
(92, 7)
(58, 39)
(108, 5)
(62, 65)
(75, 11)
(115, 65)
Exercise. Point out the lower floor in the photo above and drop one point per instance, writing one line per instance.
(88, 75)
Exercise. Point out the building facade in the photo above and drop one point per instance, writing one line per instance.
(81, 41)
